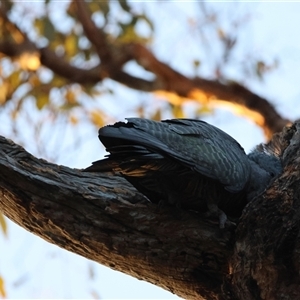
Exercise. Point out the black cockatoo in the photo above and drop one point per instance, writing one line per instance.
(187, 163)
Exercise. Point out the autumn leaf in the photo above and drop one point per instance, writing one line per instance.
(96, 117)
(42, 100)
(3, 224)
(71, 44)
(2, 289)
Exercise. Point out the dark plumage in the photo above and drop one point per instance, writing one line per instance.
(187, 163)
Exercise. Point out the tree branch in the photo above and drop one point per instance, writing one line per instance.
(71, 73)
(267, 251)
(103, 218)
(205, 91)
(95, 35)
(167, 82)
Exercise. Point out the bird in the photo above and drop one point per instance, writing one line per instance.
(188, 164)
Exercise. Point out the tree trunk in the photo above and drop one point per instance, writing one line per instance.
(103, 218)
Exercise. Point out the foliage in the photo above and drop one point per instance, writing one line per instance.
(57, 27)
(23, 78)
(2, 288)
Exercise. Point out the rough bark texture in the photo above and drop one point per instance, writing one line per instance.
(266, 260)
(101, 217)
(104, 219)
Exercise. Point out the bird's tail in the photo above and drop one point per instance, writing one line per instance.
(104, 165)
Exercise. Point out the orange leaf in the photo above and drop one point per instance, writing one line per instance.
(73, 120)
(97, 118)
(3, 224)
(2, 289)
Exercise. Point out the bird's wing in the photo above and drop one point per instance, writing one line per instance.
(196, 144)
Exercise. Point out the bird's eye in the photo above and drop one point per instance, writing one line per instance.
(272, 174)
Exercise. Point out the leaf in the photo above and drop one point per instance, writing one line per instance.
(157, 115)
(204, 109)
(68, 106)
(42, 100)
(94, 6)
(57, 41)
(96, 117)
(71, 100)
(45, 27)
(3, 224)
(39, 25)
(14, 79)
(3, 92)
(178, 111)
(70, 97)
(58, 81)
(71, 44)
(2, 288)
(74, 120)
(129, 34)
(34, 80)
(49, 30)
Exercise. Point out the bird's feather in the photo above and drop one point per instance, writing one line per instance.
(193, 143)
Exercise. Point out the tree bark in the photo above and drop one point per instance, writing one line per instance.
(103, 218)
(265, 264)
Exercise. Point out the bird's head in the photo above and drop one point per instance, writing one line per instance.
(269, 163)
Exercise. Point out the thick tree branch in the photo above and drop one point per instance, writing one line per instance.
(71, 73)
(267, 252)
(103, 218)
